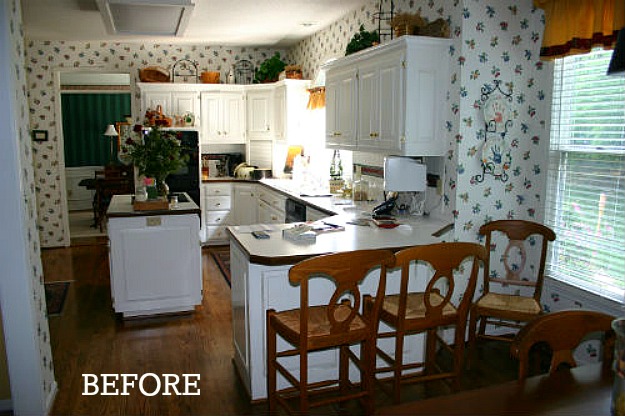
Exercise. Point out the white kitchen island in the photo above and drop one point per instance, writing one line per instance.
(155, 258)
(259, 273)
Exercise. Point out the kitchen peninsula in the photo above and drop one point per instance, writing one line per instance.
(259, 272)
(155, 257)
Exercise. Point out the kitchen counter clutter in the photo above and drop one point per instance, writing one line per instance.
(155, 258)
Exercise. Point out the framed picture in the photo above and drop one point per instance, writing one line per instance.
(40, 135)
(124, 132)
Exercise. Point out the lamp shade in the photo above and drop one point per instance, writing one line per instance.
(110, 130)
(617, 63)
(403, 174)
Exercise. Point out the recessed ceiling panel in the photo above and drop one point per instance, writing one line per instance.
(154, 17)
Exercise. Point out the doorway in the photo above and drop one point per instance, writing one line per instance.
(88, 102)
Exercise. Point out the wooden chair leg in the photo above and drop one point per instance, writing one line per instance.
(399, 361)
(430, 351)
(303, 382)
(367, 374)
(271, 366)
(344, 371)
(459, 340)
(472, 336)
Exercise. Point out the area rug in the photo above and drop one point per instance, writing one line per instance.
(222, 258)
(56, 293)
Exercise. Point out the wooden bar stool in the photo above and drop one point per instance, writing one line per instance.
(443, 303)
(337, 324)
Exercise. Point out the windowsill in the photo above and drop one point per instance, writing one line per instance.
(588, 299)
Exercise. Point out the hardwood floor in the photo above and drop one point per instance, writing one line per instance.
(88, 338)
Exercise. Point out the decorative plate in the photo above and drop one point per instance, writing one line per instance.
(496, 156)
(497, 112)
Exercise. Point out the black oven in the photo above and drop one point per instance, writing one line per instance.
(294, 211)
(187, 178)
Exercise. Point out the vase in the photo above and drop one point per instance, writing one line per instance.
(162, 188)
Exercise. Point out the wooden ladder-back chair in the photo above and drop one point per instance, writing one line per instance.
(562, 331)
(506, 309)
(336, 324)
(441, 304)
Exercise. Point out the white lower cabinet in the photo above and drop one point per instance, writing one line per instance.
(217, 212)
(270, 208)
(244, 204)
(156, 264)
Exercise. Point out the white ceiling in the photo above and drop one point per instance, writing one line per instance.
(269, 23)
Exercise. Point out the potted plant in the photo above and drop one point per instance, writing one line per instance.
(156, 155)
(270, 69)
(362, 40)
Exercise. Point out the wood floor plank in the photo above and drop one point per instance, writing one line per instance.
(89, 338)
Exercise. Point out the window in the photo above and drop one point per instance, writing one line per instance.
(585, 189)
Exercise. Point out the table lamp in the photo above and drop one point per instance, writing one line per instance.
(402, 174)
(110, 133)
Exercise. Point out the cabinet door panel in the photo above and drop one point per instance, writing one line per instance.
(259, 115)
(154, 99)
(211, 122)
(184, 102)
(233, 118)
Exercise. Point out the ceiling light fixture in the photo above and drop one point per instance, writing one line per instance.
(146, 17)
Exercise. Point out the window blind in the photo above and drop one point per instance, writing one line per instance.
(585, 188)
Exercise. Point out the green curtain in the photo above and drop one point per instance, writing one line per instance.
(85, 117)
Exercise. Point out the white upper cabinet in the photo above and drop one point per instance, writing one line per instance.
(290, 115)
(174, 99)
(260, 112)
(392, 96)
(341, 108)
(223, 117)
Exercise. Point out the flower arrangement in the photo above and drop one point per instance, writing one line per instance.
(156, 155)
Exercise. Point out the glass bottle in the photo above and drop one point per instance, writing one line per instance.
(336, 168)
(360, 188)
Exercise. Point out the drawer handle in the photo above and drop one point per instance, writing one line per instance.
(218, 204)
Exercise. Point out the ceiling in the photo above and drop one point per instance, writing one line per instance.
(268, 23)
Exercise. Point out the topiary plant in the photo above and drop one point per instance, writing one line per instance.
(270, 69)
(362, 40)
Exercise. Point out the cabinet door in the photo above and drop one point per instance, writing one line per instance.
(245, 205)
(211, 120)
(152, 99)
(341, 107)
(380, 111)
(233, 116)
(279, 114)
(259, 115)
(368, 106)
(185, 102)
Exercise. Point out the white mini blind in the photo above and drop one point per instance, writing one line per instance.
(585, 188)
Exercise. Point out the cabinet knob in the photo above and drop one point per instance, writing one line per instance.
(218, 204)
(219, 133)
(267, 128)
(225, 133)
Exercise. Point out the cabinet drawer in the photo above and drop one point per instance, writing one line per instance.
(216, 234)
(217, 217)
(217, 203)
(218, 189)
(274, 200)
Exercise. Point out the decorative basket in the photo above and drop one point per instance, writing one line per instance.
(153, 74)
(210, 77)
(151, 205)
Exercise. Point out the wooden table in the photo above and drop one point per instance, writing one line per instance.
(583, 390)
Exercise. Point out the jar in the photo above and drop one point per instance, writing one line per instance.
(141, 194)
(360, 188)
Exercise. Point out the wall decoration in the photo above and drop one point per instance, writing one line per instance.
(184, 70)
(496, 155)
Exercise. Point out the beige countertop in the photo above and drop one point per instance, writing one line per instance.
(121, 206)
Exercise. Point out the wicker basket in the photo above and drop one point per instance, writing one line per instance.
(153, 74)
(210, 77)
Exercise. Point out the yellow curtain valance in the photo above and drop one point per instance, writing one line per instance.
(317, 98)
(575, 26)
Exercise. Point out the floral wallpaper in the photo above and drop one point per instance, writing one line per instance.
(27, 177)
(44, 58)
(494, 41)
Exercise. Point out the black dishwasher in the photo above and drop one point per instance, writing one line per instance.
(294, 211)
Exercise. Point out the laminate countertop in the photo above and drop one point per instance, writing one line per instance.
(121, 206)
